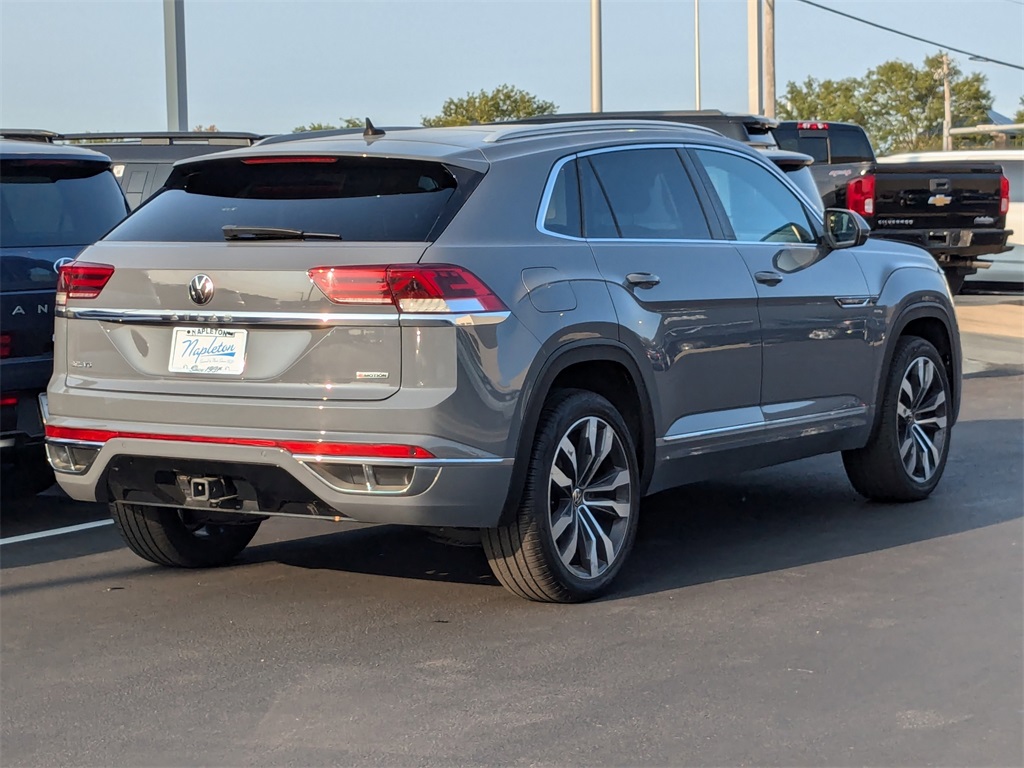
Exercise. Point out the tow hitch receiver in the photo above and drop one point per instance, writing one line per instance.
(209, 491)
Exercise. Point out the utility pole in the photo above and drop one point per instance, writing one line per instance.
(947, 116)
(769, 58)
(696, 49)
(755, 75)
(174, 65)
(595, 56)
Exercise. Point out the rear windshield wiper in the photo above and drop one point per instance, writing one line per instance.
(233, 232)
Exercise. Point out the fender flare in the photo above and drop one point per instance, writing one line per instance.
(536, 392)
(913, 312)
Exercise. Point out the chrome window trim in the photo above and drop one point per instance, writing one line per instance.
(549, 187)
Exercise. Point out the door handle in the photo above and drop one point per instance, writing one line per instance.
(642, 279)
(768, 278)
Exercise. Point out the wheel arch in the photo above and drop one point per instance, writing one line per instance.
(932, 323)
(603, 366)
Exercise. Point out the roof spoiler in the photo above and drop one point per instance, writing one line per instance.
(29, 134)
(166, 138)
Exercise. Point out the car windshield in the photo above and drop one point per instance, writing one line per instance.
(356, 198)
(45, 203)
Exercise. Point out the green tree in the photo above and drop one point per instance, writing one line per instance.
(1018, 117)
(899, 104)
(346, 122)
(505, 102)
(822, 100)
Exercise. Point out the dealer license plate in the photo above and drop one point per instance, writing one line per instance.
(208, 351)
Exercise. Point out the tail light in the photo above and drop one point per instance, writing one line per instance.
(5, 345)
(8, 400)
(1004, 195)
(81, 280)
(860, 195)
(410, 287)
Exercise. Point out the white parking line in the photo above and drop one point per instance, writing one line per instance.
(55, 532)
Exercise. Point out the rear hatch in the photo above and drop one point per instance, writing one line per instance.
(210, 288)
(50, 209)
(941, 195)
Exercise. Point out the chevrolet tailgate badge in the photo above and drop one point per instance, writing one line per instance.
(940, 200)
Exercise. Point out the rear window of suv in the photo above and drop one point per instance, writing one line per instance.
(356, 198)
(46, 203)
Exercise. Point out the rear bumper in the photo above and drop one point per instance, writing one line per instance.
(21, 427)
(468, 491)
(952, 247)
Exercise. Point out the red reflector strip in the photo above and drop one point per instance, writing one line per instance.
(285, 159)
(5, 400)
(368, 450)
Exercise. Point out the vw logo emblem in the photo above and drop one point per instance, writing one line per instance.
(60, 263)
(200, 290)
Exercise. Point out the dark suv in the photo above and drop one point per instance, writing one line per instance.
(522, 329)
(142, 161)
(54, 201)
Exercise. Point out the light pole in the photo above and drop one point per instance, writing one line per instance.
(755, 57)
(595, 56)
(696, 49)
(174, 65)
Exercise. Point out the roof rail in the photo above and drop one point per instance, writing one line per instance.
(29, 134)
(282, 138)
(167, 137)
(521, 131)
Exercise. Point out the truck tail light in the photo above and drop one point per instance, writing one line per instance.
(6, 341)
(860, 195)
(81, 280)
(437, 288)
(1004, 195)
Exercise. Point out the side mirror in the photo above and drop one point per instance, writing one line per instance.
(844, 229)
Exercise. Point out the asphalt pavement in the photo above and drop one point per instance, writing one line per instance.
(774, 618)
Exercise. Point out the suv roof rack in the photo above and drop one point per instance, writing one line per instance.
(168, 137)
(671, 115)
(538, 129)
(29, 134)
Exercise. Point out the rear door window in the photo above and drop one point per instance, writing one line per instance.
(356, 198)
(650, 195)
(46, 203)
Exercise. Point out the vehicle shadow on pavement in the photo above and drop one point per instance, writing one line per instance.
(768, 520)
(384, 550)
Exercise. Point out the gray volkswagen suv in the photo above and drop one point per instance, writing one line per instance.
(521, 329)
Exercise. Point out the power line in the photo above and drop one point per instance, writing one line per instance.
(976, 56)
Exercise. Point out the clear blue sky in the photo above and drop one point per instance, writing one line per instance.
(269, 65)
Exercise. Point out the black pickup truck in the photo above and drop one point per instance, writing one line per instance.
(954, 210)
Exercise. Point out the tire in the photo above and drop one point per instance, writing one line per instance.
(906, 456)
(163, 536)
(552, 552)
